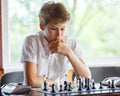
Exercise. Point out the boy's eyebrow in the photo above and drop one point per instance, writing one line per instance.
(55, 26)
(51, 26)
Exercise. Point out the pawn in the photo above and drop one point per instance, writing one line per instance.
(93, 85)
(53, 88)
(101, 87)
(60, 88)
(45, 86)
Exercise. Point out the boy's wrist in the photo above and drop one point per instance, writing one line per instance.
(69, 51)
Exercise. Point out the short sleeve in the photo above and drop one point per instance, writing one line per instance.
(29, 50)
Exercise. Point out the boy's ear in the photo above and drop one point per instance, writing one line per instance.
(41, 26)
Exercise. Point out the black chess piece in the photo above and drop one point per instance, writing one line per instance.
(45, 86)
(80, 85)
(109, 84)
(65, 85)
(69, 88)
(88, 83)
(112, 85)
(53, 88)
(60, 88)
(101, 87)
(93, 85)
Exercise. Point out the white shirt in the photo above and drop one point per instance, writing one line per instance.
(35, 49)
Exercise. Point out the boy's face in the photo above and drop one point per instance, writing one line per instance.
(53, 31)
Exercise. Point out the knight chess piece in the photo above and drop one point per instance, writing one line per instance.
(65, 85)
(69, 87)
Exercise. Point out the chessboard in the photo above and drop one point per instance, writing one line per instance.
(80, 86)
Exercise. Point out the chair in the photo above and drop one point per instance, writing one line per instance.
(16, 77)
(100, 73)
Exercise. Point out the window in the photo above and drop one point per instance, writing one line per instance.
(95, 23)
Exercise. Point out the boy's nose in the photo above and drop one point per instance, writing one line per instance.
(59, 33)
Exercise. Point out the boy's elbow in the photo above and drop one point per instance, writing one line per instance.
(32, 83)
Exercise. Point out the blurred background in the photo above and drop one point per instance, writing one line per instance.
(94, 24)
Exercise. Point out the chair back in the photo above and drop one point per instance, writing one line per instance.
(12, 77)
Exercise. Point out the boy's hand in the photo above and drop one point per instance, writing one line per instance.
(58, 46)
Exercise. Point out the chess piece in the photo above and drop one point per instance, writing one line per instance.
(109, 84)
(65, 85)
(60, 88)
(80, 84)
(53, 88)
(112, 85)
(101, 87)
(45, 86)
(93, 84)
(69, 88)
(88, 83)
(57, 84)
(85, 83)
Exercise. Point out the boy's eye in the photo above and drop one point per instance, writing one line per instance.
(53, 28)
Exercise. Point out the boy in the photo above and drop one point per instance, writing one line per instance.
(50, 52)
